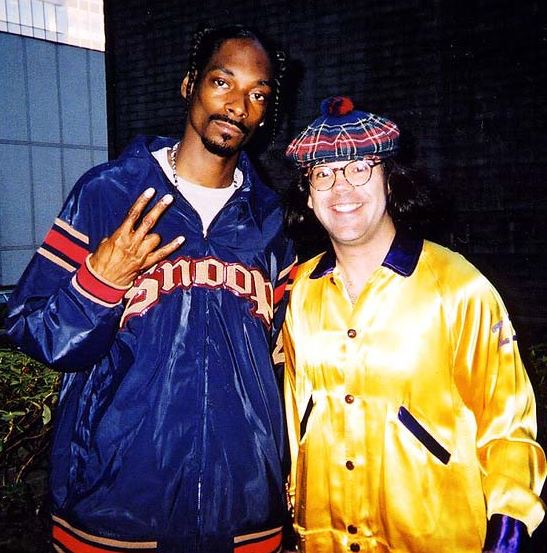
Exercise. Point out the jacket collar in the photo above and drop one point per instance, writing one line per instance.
(401, 258)
(143, 145)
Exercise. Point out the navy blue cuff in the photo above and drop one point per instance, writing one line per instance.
(505, 535)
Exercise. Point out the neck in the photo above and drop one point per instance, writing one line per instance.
(196, 164)
(357, 262)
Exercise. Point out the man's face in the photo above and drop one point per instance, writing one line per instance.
(231, 96)
(352, 215)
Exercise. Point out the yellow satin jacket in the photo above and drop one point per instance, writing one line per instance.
(411, 417)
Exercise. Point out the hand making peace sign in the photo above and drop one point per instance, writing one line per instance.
(128, 251)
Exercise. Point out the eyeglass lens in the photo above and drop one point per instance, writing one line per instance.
(356, 172)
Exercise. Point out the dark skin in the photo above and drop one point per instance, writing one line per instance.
(235, 84)
(132, 249)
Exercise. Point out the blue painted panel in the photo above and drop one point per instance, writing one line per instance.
(13, 263)
(74, 96)
(99, 156)
(15, 196)
(13, 122)
(97, 83)
(75, 164)
(48, 188)
(43, 91)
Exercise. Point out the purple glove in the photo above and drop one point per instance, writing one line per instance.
(504, 535)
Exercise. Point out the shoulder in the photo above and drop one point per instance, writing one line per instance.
(444, 263)
(102, 196)
(262, 198)
(306, 289)
(454, 277)
(126, 172)
(264, 206)
(305, 269)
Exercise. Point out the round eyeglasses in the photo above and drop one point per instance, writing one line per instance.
(357, 173)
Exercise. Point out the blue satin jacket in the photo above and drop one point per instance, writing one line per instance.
(169, 431)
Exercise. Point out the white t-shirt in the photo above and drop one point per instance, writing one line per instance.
(206, 201)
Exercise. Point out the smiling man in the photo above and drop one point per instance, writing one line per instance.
(411, 418)
(169, 431)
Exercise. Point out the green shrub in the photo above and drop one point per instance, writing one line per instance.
(28, 394)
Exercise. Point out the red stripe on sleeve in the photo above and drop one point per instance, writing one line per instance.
(64, 245)
(98, 288)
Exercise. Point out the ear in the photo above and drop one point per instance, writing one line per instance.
(310, 202)
(185, 93)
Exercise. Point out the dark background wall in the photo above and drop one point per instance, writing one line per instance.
(465, 80)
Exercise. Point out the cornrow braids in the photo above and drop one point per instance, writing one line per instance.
(280, 66)
(206, 42)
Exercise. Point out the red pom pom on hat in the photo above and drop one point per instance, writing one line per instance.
(337, 106)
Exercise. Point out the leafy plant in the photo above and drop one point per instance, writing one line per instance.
(27, 398)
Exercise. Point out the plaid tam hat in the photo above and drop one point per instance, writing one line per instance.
(342, 133)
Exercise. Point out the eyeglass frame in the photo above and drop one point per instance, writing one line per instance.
(371, 163)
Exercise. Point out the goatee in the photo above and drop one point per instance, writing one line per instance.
(222, 150)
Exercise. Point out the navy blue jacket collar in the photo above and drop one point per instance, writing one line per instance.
(143, 145)
(401, 258)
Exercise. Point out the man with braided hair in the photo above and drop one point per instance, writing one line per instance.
(411, 418)
(164, 316)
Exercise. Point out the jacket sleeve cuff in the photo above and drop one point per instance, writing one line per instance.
(505, 534)
(96, 288)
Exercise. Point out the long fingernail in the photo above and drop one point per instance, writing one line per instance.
(149, 192)
(180, 239)
(167, 199)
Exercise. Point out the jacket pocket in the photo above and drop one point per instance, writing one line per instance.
(305, 418)
(423, 436)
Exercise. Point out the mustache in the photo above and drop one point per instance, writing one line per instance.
(226, 119)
